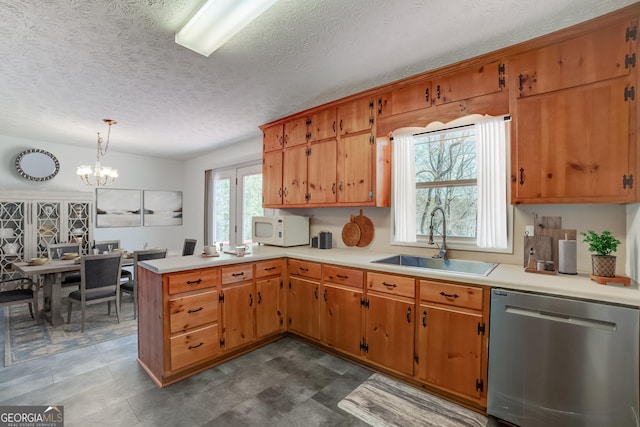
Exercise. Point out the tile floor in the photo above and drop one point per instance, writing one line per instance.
(286, 383)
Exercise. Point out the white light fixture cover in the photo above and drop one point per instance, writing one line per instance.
(217, 21)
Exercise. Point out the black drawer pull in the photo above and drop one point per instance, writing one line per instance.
(390, 285)
(304, 269)
(340, 276)
(269, 268)
(259, 297)
(191, 347)
(194, 282)
(196, 310)
(238, 274)
(454, 296)
(409, 315)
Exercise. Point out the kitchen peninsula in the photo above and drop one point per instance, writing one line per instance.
(196, 312)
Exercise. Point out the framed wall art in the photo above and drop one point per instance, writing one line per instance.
(118, 208)
(162, 208)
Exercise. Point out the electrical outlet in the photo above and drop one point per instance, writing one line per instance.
(528, 230)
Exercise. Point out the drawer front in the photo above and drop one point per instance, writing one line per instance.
(387, 283)
(193, 280)
(193, 311)
(194, 346)
(447, 293)
(237, 273)
(269, 268)
(308, 269)
(345, 276)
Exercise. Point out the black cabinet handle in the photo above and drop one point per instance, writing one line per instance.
(409, 315)
(521, 176)
(259, 297)
(191, 347)
(304, 269)
(196, 310)
(269, 268)
(238, 274)
(250, 300)
(325, 295)
(454, 296)
(193, 282)
(340, 276)
(315, 292)
(390, 285)
(424, 318)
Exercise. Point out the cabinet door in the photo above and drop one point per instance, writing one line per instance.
(294, 176)
(13, 220)
(238, 315)
(268, 313)
(78, 216)
(272, 138)
(342, 318)
(303, 307)
(322, 125)
(355, 164)
(596, 56)
(573, 145)
(272, 178)
(409, 98)
(296, 132)
(390, 332)
(469, 83)
(47, 219)
(450, 348)
(322, 172)
(356, 116)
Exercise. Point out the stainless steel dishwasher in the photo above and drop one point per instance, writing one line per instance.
(562, 362)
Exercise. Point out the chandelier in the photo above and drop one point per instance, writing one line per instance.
(102, 175)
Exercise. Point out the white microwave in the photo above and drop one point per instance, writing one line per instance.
(280, 230)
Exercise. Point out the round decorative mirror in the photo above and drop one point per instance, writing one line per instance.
(37, 165)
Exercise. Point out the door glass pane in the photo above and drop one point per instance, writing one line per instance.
(251, 203)
(222, 205)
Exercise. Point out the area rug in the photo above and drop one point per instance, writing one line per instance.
(26, 340)
(380, 401)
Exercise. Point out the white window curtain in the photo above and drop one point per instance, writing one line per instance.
(491, 161)
(404, 188)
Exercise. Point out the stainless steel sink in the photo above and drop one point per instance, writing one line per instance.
(457, 266)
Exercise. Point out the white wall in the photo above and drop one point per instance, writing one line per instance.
(136, 172)
(633, 241)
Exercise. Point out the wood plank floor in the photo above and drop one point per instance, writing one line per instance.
(286, 383)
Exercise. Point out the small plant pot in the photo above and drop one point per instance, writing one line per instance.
(603, 265)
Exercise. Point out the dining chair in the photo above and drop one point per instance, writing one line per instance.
(68, 279)
(20, 290)
(189, 247)
(131, 287)
(103, 246)
(100, 283)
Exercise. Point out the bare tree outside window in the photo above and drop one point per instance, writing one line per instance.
(446, 176)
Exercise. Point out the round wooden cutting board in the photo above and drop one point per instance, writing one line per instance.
(351, 233)
(367, 229)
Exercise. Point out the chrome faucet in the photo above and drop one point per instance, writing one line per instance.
(443, 249)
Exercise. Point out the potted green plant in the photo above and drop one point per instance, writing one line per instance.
(602, 246)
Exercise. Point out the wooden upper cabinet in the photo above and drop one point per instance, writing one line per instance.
(322, 172)
(356, 116)
(272, 138)
(408, 98)
(356, 157)
(574, 145)
(322, 125)
(599, 55)
(296, 132)
(469, 83)
(272, 178)
(294, 175)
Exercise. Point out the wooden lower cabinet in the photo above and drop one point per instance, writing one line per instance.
(303, 307)
(269, 317)
(238, 315)
(389, 332)
(451, 332)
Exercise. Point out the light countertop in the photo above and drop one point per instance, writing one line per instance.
(508, 276)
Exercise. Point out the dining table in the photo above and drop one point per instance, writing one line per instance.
(51, 273)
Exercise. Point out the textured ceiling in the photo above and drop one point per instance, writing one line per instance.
(67, 64)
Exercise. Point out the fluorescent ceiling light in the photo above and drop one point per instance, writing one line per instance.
(217, 21)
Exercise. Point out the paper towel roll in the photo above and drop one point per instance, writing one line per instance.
(567, 257)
